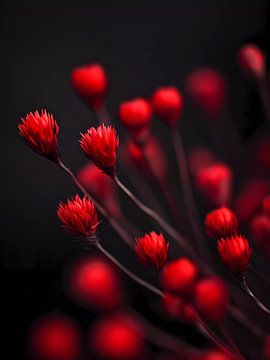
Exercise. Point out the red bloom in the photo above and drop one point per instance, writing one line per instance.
(167, 103)
(100, 145)
(135, 115)
(178, 308)
(152, 250)
(78, 216)
(235, 253)
(260, 230)
(221, 222)
(266, 205)
(179, 276)
(90, 83)
(252, 60)
(207, 87)
(211, 298)
(40, 132)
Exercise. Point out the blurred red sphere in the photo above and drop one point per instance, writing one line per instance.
(221, 222)
(252, 60)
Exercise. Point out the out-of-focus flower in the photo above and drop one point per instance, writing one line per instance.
(235, 253)
(100, 146)
(260, 231)
(78, 216)
(176, 307)
(94, 284)
(118, 337)
(215, 183)
(135, 115)
(207, 87)
(90, 83)
(54, 337)
(221, 222)
(152, 250)
(252, 60)
(40, 132)
(266, 205)
(168, 103)
(211, 298)
(179, 277)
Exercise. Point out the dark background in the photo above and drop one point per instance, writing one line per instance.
(142, 45)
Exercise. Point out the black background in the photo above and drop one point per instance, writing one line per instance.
(142, 45)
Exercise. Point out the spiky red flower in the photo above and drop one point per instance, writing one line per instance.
(221, 222)
(252, 60)
(168, 103)
(152, 250)
(90, 83)
(40, 132)
(100, 145)
(78, 216)
(235, 253)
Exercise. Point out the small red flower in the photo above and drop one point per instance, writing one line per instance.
(40, 132)
(252, 60)
(100, 145)
(90, 83)
(179, 276)
(78, 216)
(152, 250)
(135, 115)
(221, 222)
(167, 103)
(235, 253)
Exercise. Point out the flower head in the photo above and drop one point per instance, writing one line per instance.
(90, 83)
(78, 216)
(167, 103)
(252, 60)
(40, 132)
(152, 250)
(236, 253)
(221, 222)
(100, 145)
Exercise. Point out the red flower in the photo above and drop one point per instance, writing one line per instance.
(40, 132)
(100, 145)
(235, 253)
(78, 216)
(260, 229)
(135, 115)
(221, 222)
(90, 83)
(152, 250)
(167, 103)
(179, 276)
(252, 60)
(211, 298)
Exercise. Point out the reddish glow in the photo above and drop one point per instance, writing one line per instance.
(179, 276)
(252, 60)
(217, 355)
(100, 146)
(40, 132)
(78, 216)
(211, 298)
(90, 83)
(235, 253)
(221, 222)
(266, 205)
(118, 337)
(152, 250)
(54, 337)
(262, 154)
(178, 308)
(200, 159)
(260, 231)
(168, 104)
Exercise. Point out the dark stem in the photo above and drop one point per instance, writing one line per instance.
(102, 116)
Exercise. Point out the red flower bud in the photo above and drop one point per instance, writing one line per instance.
(167, 103)
(214, 182)
(78, 216)
(266, 205)
(100, 145)
(179, 276)
(135, 115)
(152, 250)
(235, 253)
(207, 87)
(178, 308)
(118, 337)
(90, 83)
(40, 132)
(221, 222)
(211, 298)
(260, 230)
(252, 60)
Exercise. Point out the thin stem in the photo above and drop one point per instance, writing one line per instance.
(103, 116)
(250, 293)
(229, 339)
